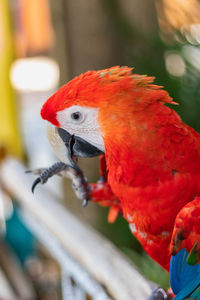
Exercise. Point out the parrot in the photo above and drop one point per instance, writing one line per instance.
(149, 164)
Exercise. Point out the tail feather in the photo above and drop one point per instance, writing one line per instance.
(184, 278)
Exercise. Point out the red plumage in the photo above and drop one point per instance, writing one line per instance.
(152, 158)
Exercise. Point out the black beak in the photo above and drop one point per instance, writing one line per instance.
(76, 146)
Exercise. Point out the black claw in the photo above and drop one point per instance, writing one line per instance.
(28, 171)
(158, 294)
(35, 183)
(45, 174)
(85, 202)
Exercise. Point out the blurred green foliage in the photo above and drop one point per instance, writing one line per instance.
(120, 234)
(145, 52)
(148, 267)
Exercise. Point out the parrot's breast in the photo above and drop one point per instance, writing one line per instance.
(151, 209)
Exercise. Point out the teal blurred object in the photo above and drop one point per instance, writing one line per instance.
(19, 238)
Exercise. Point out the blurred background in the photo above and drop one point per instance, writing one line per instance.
(44, 44)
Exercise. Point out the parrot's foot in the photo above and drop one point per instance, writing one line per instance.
(46, 173)
(81, 188)
(160, 294)
(79, 182)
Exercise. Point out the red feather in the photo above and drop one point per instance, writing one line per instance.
(152, 157)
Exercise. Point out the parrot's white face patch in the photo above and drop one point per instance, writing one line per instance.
(83, 122)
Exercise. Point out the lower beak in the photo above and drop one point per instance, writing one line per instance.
(76, 146)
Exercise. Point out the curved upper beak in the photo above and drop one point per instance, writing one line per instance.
(76, 146)
(67, 146)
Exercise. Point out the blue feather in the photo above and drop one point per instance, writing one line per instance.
(184, 278)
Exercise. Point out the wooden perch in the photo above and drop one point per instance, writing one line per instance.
(93, 251)
(18, 280)
(6, 291)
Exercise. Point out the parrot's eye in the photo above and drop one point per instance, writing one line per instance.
(77, 116)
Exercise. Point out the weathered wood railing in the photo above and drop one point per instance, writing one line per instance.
(96, 266)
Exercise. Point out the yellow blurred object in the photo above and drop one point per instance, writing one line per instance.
(9, 134)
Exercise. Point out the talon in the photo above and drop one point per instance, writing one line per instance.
(158, 294)
(36, 171)
(45, 174)
(35, 183)
(84, 203)
(74, 187)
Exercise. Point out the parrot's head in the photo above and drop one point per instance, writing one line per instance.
(96, 111)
